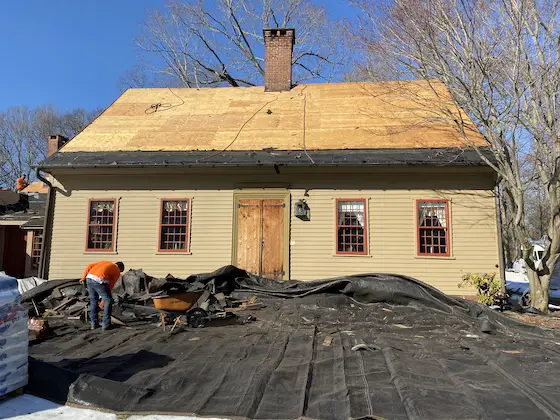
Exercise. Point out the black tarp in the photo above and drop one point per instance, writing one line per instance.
(421, 355)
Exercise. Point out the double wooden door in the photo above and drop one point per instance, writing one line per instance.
(260, 237)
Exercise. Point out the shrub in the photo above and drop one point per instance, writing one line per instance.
(486, 285)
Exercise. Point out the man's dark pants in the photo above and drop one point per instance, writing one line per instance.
(99, 290)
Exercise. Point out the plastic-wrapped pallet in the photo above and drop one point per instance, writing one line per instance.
(13, 337)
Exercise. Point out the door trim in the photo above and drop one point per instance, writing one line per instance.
(264, 194)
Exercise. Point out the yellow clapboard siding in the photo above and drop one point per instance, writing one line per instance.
(391, 223)
(392, 237)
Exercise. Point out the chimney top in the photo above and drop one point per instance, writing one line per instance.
(290, 32)
(54, 143)
(278, 44)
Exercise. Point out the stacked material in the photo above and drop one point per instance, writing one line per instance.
(13, 337)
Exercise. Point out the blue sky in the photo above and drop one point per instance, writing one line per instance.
(67, 52)
(71, 53)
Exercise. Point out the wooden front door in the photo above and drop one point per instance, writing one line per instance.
(260, 237)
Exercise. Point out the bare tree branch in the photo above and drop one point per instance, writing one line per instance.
(500, 61)
(23, 137)
(198, 44)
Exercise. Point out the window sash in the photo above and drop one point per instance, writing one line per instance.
(174, 225)
(433, 228)
(101, 225)
(351, 227)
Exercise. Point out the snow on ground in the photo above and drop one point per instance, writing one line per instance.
(28, 407)
(162, 417)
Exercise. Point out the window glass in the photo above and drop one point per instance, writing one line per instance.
(351, 227)
(174, 225)
(433, 234)
(101, 225)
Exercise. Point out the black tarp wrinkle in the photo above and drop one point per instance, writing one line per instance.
(184, 356)
(366, 385)
(287, 379)
(357, 397)
(236, 385)
(115, 346)
(115, 395)
(542, 404)
(119, 346)
(411, 410)
(200, 384)
(328, 393)
(80, 348)
(473, 402)
(339, 355)
(305, 396)
(260, 383)
(159, 381)
(211, 390)
(204, 404)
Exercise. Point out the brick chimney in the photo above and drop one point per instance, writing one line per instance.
(54, 143)
(278, 45)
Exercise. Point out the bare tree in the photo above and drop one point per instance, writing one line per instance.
(24, 132)
(537, 213)
(197, 43)
(499, 59)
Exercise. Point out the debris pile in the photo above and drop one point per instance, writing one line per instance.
(57, 299)
(135, 293)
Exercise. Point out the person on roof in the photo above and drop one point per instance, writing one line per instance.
(21, 183)
(100, 278)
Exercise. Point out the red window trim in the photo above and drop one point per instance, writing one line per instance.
(447, 229)
(115, 215)
(336, 226)
(187, 225)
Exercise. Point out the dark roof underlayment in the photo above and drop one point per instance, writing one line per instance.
(30, 209)
(34, 223)
(399, 350)
(269, 157)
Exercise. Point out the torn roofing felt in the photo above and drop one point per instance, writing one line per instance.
(355, 157)
(368, 346)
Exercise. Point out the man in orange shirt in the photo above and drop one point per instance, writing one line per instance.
(100, 278)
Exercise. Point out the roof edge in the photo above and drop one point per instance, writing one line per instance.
(450, 156)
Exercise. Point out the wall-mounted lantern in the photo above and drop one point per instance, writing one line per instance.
(302, 210)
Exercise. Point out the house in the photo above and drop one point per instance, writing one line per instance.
(21, 229)
(290, 182)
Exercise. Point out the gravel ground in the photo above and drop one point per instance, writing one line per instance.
(546, 321)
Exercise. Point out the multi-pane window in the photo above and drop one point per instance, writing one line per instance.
(174, 226)
(351, 226)
(101, 225)
(36, 248)
(433, 227)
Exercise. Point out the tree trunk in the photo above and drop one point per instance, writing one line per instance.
(539, 289)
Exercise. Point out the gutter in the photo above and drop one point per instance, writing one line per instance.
(258, 164)
(47, 225)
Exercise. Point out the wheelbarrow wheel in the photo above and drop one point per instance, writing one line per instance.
(198, 318)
